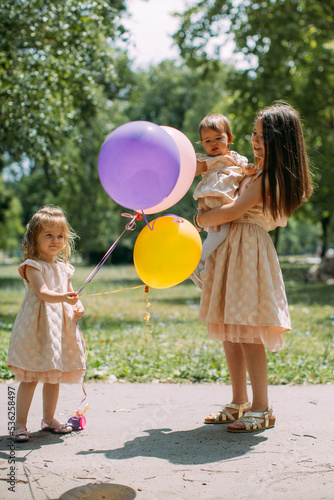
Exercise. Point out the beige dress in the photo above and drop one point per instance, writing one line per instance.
(45, 344)
(244, 298)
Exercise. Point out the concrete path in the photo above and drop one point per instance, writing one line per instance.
(148, 441)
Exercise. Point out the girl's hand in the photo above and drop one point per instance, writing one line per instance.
(78, 311)
(71, 298)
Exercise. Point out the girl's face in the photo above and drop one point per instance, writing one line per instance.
(215, 143)
(50, 242)
(258, 140)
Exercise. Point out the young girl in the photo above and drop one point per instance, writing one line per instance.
(45, 344)
(244, 302)
(222, 173)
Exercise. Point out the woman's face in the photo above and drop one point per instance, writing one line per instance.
(258, 140)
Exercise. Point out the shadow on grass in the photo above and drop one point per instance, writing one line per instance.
(310, 293)
(11, 282)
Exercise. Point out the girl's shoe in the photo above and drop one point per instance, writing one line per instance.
(223, 416)
(20, 434)
(250, 421)
(56, 429)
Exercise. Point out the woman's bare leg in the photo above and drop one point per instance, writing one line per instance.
(237, 368)
(256, 362)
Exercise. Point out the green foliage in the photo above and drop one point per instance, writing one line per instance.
(179, 350)
(288, 54)
(11, 227)
(54, 58)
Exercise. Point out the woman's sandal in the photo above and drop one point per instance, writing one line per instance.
(56, 429)
(223, 416)
(251, 422)
(20, 434)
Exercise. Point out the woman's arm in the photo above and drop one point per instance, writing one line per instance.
(232, 211)
(36, 280)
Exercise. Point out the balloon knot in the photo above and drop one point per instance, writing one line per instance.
(139, 217)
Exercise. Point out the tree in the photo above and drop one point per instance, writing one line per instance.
(54, 59)
(288, 52)
(11, 227)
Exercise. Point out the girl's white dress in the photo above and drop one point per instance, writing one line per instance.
(45, 344)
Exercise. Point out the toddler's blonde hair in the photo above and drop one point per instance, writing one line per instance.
(46, 217)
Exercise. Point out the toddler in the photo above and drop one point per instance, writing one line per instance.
(222, 173)
(45, 344)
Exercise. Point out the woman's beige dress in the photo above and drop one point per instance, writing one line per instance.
(45, 344)
(244, 299)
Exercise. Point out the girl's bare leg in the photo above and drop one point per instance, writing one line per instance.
(25, 394)
(256, 362)
(50, 400)
(238, 372)
(237, 368)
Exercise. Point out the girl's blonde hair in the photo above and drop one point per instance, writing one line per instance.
(285, 163)
(217, 122)
(47, 217)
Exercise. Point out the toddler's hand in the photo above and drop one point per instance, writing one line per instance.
(71, 298)
(250, 169)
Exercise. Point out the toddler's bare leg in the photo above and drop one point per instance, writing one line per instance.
(50, 400)
(25, 394)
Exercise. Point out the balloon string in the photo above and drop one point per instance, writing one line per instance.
(130, 226)
(148, 315)
(113, 291)
(177, 219)
(80, 412)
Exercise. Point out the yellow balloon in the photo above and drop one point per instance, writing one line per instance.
(168, 254)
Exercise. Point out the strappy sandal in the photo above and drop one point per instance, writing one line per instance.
(20, 434)
(251, 424)
(223, 416)
(56, 429)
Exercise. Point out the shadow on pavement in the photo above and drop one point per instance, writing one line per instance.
(197, 446)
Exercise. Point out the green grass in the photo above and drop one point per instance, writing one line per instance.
(179, 350)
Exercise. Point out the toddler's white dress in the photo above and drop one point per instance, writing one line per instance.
(45, 344)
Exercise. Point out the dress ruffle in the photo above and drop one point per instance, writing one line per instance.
(49, 377)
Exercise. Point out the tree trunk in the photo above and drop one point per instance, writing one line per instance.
(325, 221)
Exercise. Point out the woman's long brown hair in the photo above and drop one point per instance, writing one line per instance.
(285, 164)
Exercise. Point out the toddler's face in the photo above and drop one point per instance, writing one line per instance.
(215, 143)
(50, 242)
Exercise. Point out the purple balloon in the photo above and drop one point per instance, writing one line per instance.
(139, 165)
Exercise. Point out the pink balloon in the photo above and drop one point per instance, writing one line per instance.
(187, 171)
